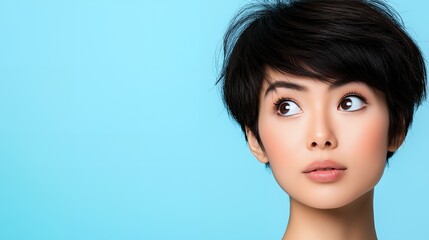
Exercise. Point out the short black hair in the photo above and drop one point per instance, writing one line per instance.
(330, 40)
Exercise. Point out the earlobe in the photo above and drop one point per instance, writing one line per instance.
(255, 147)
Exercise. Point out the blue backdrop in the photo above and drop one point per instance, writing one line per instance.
(111, 127)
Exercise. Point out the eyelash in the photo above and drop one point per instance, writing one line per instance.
(356, 94)
(348, 94)
(279, 101)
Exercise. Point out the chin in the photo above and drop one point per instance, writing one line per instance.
(326, 204)
(332, 201)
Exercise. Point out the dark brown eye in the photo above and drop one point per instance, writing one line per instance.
(351, 103)
(346, 104)
(284, 108)
(288, 108)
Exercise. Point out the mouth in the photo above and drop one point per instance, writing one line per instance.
(327, 165)
(324, 169)
(325, 172)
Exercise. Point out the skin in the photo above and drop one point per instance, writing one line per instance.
(324, 122)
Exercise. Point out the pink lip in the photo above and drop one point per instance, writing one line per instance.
(325, 171)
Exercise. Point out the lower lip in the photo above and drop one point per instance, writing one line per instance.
(327, 176)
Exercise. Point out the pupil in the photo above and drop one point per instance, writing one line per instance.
(346, 104)
(284, 108)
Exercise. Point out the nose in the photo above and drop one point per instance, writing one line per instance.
(321, 135)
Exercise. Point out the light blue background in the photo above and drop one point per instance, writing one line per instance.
(111, 128)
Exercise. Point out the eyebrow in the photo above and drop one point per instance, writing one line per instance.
(294, 86)
(283, 84)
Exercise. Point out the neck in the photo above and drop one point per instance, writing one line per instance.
(354, 221)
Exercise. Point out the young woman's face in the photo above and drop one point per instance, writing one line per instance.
(326, 143)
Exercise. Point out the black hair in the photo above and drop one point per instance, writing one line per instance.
(330, 40)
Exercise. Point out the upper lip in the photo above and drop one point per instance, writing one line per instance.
(324, 165)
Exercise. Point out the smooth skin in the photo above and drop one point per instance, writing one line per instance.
(302, 121)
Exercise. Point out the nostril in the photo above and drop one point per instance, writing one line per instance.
(327, 144)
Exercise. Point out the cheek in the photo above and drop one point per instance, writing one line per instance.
(285, 149)
(370, 139)
(365, 149)
(280, 140)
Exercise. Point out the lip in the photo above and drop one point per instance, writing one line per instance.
(325, 171)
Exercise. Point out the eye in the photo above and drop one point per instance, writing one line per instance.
(287, 108)
(351, 103)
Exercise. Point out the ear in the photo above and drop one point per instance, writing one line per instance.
(396, 142)
(255, 147)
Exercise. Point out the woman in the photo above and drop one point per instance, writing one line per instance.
(325, 92)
